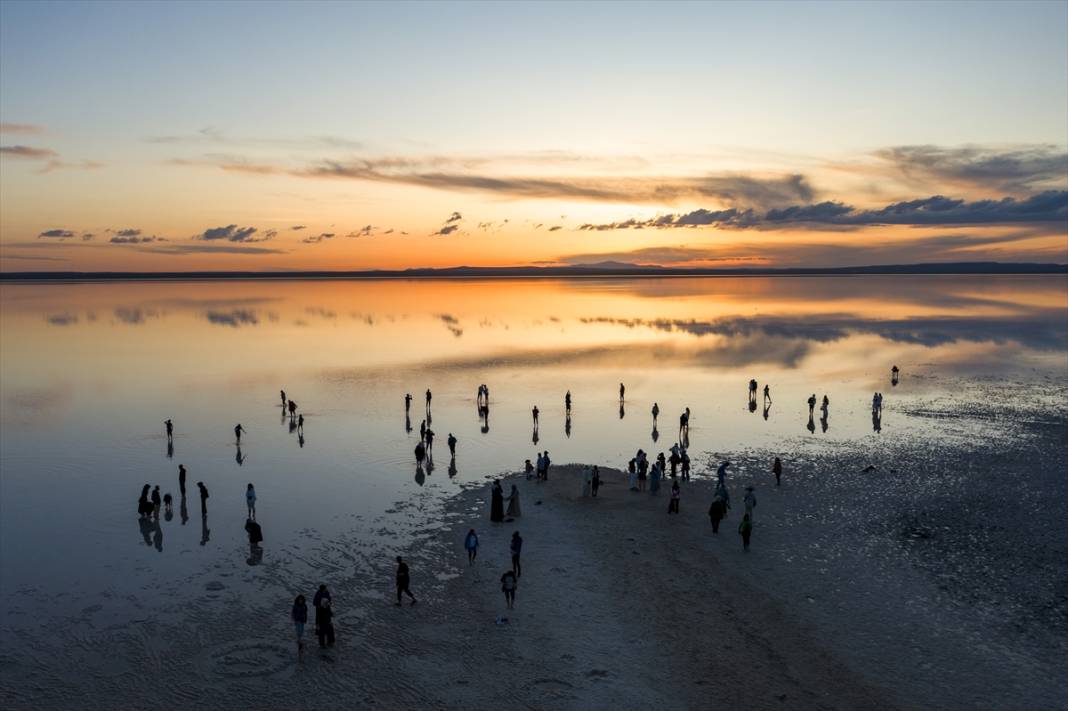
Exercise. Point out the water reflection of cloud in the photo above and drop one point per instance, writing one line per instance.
(1045, 331)
(135, 315)
(37, 405)
(452, 323)
(62, 319)
(234, 318)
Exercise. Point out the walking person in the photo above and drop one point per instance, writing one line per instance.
(776, 469)
(238, 430)
(282, 393)
(656, 412)
(203, 498)
(716, 512)
(403, 579)
(452, 444)
(471, 546)
(250, 500)
(516, 548)
(428, 398)
(508, 585)
(745, 528)
(685, 466)
(750, 502)
(324, 623)
(156, 501)
(299, 616)
(170, 429)
(534, 412)
(528, 469)
(673, 503)
(595, 484)
(811, 405)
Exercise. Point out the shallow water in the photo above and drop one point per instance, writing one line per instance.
(89, 371)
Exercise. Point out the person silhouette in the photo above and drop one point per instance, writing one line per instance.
(144, 506)
(752, 405)
(428, 398)
(825, 405)
(656, 413)
(292, 425)
(157, 500)
(485, 419)
(452, 467)
(752, 393)
(622, 392)
(622, 409)
(203, 498)
(238, 430)
(168, 506)
(292, 408)
(283, 394)
(420, 454)
(407, 402)
(422, 430)
(534, 412)
(811, 405)
(534, 436)
(157, 535)
(250, 501)
(655, 433)
(811, 424)
(876, 421)
(300, 440)
(429, 442)
(894, 375)
(567, 425)
(407, 424)
(776, 469)
(452, 445)
(767, 394)
(767, 410)
(496, 502)
(170, 429)
(184, 510)
(300, 423)
(403, 581)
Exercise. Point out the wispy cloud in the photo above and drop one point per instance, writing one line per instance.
(180, 249)
(28, 152)
(297, 228)
(210, 135)
(24, 128)
(321, 237)
(1012, 169)
(56, 234)
(136, 239)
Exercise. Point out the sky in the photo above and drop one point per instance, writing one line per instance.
(271, 137)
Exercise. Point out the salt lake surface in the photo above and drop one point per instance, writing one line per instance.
(972, 440)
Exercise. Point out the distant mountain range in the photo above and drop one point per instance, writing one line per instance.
(599, 269)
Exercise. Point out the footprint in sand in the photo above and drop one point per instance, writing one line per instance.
(247, 660)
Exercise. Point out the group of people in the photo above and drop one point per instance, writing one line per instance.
(510, 578)
(639, 472)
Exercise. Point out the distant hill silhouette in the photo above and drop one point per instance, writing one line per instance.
(599, 269)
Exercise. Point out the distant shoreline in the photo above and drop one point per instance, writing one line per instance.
(585, 271)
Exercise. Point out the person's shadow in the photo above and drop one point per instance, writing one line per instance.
(240, 458)
(170, 449)
(300, 440)
(823, 422)
(752, 404)
(407, 424)
(146, 526)
(420, 475)
(622, 410)
(567, 426)
(656, 432)
(877, 421)
(157, 536)
(535, 435)
(686, 437)
(205, 532)
(767, 410)
(452, 467)
(184, 511)
(485, 419)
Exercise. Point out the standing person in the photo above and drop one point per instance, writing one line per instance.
(508, 585)
(548, 462)
(632, 474)
(407, 402)
(420, 454)
(181, 478)
(745, 528)
(721, 472)
(471, 546)
(656, 412)
(321, 594)
(516, 548)
(156, 501)
(750, 502)
(422, 431)
(586, 482)
(776, 469)
(528, 468)
(811, 405)
(675, 460)
(534, 412)
(203, 498)
(567, 401)
(324, 623)
(282, 393)
(767, 395)
(685, 466)
(292, 408)
(643, 470)
(250, 500)
(716, 512)
(673, 504)
(299, 616)
(496, 502)
(596, 483)
(514, 510)
(622, 392)
(429, 442)
(170, 429)
(428, 398)
(452, 444)
(403, 580)
(300, 422)
(238, 429)
(654, 478)
(144, 506)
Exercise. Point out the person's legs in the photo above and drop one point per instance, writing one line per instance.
(516, 568)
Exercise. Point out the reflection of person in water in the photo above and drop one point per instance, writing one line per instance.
(567, 425)
(145, 526)
(184, 510)
(205, 532)
(811, 424)
(655, 433)
(300, 440)
(767, 409)
(157, 535)
(452, 466)
(622, 409)
(255, 537)
(170, 449)
(407, 424)
(877, 420)
(238, 457)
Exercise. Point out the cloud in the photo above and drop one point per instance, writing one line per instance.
(454, 217)
(59, 234)
(28, 152)
(179, 249)
(27, 128)
(555, 228)
(128, 233)
(270, 234)
(62, 319)
(232, 233)
(938, 210)
(1011, 169)
(118, 239)
(446, 230)
(316, 239)
(364, 231)
(297, 228)
(210, 135)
